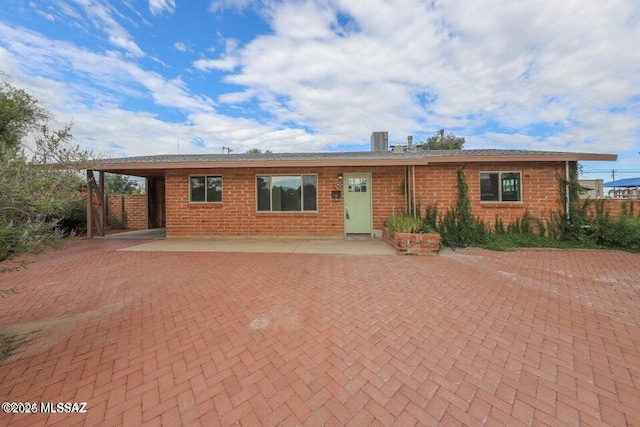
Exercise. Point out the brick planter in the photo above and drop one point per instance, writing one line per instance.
(412, 243)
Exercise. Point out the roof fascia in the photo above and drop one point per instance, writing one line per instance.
(400, 161)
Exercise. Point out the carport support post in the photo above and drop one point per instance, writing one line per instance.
(147, 202)
(103, 204)
(89, 204)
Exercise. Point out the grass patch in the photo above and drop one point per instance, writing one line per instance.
(512, 241)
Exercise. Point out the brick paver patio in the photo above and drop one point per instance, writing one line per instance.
(464, 338)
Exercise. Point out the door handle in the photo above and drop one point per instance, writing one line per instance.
(346, 213)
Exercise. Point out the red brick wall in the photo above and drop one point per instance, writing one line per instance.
(435, 184)
(135, 207)
(237, 215)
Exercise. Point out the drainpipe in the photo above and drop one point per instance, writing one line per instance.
(567, 202)
(413, 188)
(406, 189)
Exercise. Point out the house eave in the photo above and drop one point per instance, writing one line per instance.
(140, 167)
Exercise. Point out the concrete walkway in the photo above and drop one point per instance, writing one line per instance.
(153, 233)
(271, 245)
(281, 245)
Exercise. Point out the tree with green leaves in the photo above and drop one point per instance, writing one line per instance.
(440, 141)
(120, 184)
(258, 151)
(40, 181)
(20, 114)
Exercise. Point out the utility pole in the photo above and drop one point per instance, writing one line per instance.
(613, 174)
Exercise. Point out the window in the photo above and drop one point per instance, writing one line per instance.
(357, 185)
(500, 187)
(205, 189)
(285, 193)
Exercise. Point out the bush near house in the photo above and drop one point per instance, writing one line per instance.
(37, 199)
(407, 224)
(622, 232)
(589, 224)
(410, 235)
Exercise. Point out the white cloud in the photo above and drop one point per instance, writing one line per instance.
(45, 15)
(180, 46)
(96, 15)
(225, 63)
(236, 97)
(494, 73)
(346, 67)
(302, 20)
(158, 6)
(228, 61)
(105, 77)
(102, 124)
(217, 5)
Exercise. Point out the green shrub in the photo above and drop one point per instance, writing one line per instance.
(588, 224)
(521, 225)
(26, 236)
(404, 224)
(628, 208)
(626, 233)
(542, 230)
(508, 241)
(431, 218)
(623, 233)
(74, 217)
(458, 227)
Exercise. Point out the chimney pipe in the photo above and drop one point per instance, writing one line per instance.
(409, 142)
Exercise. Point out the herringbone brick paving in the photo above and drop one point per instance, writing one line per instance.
(464, 338)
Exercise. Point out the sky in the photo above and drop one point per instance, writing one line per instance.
(141, 77)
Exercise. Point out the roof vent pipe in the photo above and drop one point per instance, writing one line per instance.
(409, 142)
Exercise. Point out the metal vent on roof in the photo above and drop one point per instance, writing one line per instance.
(380, 141)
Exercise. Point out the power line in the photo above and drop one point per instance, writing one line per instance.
(617, 170)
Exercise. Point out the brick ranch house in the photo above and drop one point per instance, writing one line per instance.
(333, 193)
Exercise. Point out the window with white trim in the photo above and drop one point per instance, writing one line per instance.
(500, 186)
(205, 189)
(287, 193)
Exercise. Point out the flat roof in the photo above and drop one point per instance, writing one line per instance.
(153, 165)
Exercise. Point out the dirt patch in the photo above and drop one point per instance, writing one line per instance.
(45, 333)
(9, 343)
(622, 312)
(6, 292)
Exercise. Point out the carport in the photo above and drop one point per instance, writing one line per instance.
(97, 198)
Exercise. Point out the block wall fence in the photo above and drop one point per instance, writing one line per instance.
(616, 206)
(134, 207)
